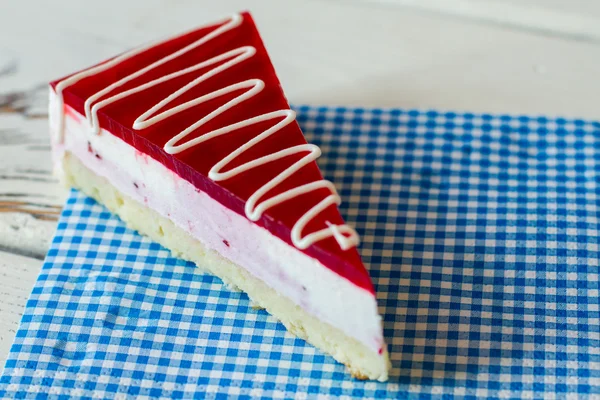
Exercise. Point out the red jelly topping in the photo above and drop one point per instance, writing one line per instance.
(193, 164)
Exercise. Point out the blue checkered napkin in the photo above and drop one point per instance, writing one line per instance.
(481, 233)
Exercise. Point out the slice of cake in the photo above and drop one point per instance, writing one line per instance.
(191, 142)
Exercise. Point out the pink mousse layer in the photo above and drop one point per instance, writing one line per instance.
(194, 163)
(318, 290)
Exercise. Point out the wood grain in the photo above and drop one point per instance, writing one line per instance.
(30, 197)
(574, 20)
(405, 53)
(17, 274)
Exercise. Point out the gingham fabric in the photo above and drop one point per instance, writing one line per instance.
(481, 235)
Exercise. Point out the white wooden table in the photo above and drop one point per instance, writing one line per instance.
(514, 56)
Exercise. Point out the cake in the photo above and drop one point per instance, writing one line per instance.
(191, 142)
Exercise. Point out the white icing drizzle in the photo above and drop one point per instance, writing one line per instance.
(255, 206)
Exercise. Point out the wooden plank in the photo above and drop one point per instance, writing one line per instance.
(24, 234)
(581, 7)
(380, 64)
(578, 20)
(17, 275)
(354, 53)
(30, 197)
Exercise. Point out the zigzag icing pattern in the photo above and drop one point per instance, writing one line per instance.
(345, 236)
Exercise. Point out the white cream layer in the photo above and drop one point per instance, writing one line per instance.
(304, 280)
(256, 204)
